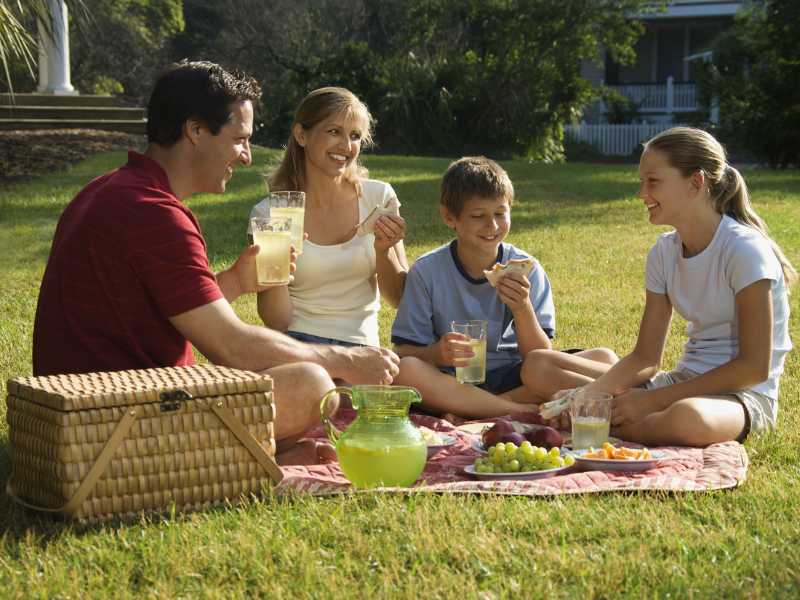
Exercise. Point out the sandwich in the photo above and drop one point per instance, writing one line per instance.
(390, 207)
(522, 265)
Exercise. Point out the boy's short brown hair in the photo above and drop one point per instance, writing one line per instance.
(474, 176)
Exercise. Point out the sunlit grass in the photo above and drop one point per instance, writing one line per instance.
(591, 235)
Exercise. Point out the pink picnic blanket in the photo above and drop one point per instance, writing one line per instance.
(682, 469)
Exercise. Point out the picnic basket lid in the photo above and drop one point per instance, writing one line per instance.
(142, 386)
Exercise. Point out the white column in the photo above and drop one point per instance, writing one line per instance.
(44, 40)
(57, 50)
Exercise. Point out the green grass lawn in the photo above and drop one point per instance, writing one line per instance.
(585, 226)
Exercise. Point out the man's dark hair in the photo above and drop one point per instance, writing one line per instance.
(195, 90)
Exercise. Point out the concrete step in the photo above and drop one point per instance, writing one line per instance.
(127, 126)
(53, 100)
(71, 112)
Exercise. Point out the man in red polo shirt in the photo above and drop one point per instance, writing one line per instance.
(128, 283)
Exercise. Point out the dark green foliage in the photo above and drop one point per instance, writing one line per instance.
(125, 45)
(448, 77)
(755, 74)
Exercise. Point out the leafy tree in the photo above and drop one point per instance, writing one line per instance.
(755, 73)
(126, 45)
(441, 76)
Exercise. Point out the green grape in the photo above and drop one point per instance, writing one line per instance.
(569, 460)
(498, 458)
(491, 451)
(539, 453)
(526, 447)
(513, 466)
(511, 448)
(555, 451)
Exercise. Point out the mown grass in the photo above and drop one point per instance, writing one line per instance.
(590, 233)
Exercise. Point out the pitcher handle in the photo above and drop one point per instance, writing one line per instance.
(330, 429)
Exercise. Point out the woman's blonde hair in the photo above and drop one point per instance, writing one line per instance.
(690, 150)
(316, 107)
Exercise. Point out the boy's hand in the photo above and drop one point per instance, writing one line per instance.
(453, 350)
(514, 290)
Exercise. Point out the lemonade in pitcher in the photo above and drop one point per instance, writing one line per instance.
(375, 462)
(381, 447)
(589, 432)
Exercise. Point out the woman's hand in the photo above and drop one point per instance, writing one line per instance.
(389, 229)
(453, 350)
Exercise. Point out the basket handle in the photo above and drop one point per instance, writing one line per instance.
(98, 468)
(248, 441)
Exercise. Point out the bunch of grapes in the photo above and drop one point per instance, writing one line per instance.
(510, 458)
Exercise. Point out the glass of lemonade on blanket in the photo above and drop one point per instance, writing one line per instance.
(273, 236)
(590, 413)
(290, 205)
(475, 371)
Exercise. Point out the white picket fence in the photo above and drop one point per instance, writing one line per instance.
(614, 140)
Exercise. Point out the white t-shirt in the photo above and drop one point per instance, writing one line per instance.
(703, 288)
(335, 289)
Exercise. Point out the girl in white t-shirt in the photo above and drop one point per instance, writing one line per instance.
(342, 273)
(723, 274)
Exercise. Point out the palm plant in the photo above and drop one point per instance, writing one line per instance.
(17, 43)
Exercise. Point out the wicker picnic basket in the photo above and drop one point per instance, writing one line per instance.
(98, 445)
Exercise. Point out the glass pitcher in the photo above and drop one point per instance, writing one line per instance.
(381, 447)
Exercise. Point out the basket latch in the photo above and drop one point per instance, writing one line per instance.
(171, 400)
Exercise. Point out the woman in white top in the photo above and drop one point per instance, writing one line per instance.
(722, 273)
(342, 273)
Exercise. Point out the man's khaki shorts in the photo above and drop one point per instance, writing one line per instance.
(760, 411)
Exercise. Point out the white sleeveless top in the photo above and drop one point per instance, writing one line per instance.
(335, 289)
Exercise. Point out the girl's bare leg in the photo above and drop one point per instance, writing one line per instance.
(696, 422)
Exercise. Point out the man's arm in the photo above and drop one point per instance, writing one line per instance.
(218, 333)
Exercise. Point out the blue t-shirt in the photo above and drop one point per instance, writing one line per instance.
(438, 291)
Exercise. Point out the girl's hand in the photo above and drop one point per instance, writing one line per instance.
(389, 229)
(514, 290)
(632, 406)
(453, 350)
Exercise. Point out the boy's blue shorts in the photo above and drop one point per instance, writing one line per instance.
(503, 379)
(499, 380)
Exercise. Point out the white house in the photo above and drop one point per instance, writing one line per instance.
(660, 84)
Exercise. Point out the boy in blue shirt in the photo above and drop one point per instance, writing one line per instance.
(448, 284)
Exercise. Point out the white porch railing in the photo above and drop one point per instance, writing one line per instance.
(661, 98)
(614, 140)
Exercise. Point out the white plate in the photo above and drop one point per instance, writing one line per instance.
(607, 464)
(568, 440)
(449, 440)
(470, 470)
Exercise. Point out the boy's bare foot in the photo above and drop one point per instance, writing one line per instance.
(307, 452)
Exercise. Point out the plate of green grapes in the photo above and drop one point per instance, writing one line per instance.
(526, 461)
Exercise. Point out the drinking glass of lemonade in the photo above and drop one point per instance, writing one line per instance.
(475, 371)
(591, 419)
(273, 235)
(290, 205)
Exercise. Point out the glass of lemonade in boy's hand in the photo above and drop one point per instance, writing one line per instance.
(475, 331)
(590, 413)
(274, 239)
(290, 205)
